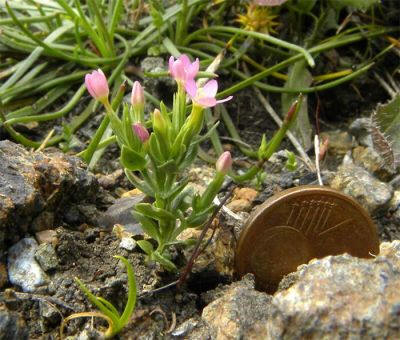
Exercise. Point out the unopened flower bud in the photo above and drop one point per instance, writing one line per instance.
(137, 97)
(141, 132)
(294, 108)
(224, 162)
(158, 121)
(96, 83)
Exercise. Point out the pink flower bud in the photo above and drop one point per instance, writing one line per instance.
(137, 97)
(182, 69)
(141, 132)
(224, 162)
(96, 83)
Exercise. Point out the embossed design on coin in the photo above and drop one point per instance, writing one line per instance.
(299, 224)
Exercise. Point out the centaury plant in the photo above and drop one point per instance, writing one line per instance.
(156, 160)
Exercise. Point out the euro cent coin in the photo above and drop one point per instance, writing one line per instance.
(297, 225)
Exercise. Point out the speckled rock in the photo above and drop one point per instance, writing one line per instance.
(242, 199)
(339, 141)
(241, 313)
(23, 270)
(370, 160)
(395, 206)
(365, 188)
(46, 255)
(12, 326)
(34, 182)
(341, 297)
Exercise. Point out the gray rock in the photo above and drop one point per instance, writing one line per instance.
(360, 129)
(341, 297)
(121, 213)
(12, 326)
(193, 329)
(49, 313)
(43, 221)
(46, 255)
(23, 270)
(360, 184)
(162, 87)
(241, 313)
(127, 243)
(33, 182)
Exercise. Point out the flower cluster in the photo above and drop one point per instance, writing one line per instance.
(155, 154)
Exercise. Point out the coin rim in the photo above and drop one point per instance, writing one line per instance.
(292, 192)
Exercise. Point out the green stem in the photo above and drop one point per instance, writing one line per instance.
(257, 35)
(314, 50)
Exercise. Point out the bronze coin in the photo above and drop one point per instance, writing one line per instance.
(297, 225)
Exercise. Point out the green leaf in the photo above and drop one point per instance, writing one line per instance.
(179, 199)
(263, 147)
(158, 20)
(291, 163)
(148, 225)
(189, 156)
(304, 6)
(167, 264)
(385, 131)
(154, 149)
(299, 77)
(132, 160)
(168, 166)
(176, 189)
(357, 4)
(132, 292)
(146, 246)
(157, 213)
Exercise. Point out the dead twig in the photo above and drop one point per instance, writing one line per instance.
(46, 140)
(9, 294)
(316, 148)
(197, 251)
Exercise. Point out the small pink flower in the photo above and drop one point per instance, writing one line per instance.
(224, 162)
(269, 2)
(182, 69)
(96, 83)
(204, 96)
(137, 96)
(141, 132)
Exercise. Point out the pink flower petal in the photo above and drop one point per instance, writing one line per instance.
(269, 2)
(185, 60)
(210, 88)
(88, 83)
(206, 101)
(179, 71)
(191, 88)
(193, 69)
